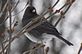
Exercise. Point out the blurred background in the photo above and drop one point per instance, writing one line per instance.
(70, 27)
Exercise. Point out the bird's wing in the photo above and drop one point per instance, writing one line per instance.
(48, 28)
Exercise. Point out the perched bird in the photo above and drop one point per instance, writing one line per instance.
(46, 27)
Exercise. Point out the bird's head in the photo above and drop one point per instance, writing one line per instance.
(31, 9)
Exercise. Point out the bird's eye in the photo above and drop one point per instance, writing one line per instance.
(33, 10)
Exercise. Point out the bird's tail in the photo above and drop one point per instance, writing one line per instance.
(66, 41)
(58, 35)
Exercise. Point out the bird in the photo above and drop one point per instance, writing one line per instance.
(46, 27)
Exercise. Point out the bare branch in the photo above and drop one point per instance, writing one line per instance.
(80, 49)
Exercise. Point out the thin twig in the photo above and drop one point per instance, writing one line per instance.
(62, 15)
(5, 6)
(46, 50)
(49, 7)
(13, 15)
(10, 33)
(2, 46)
(15, 5)
(55, 3)
(33, 49)
(80, 49)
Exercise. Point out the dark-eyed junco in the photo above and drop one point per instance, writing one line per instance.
(46, 27)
